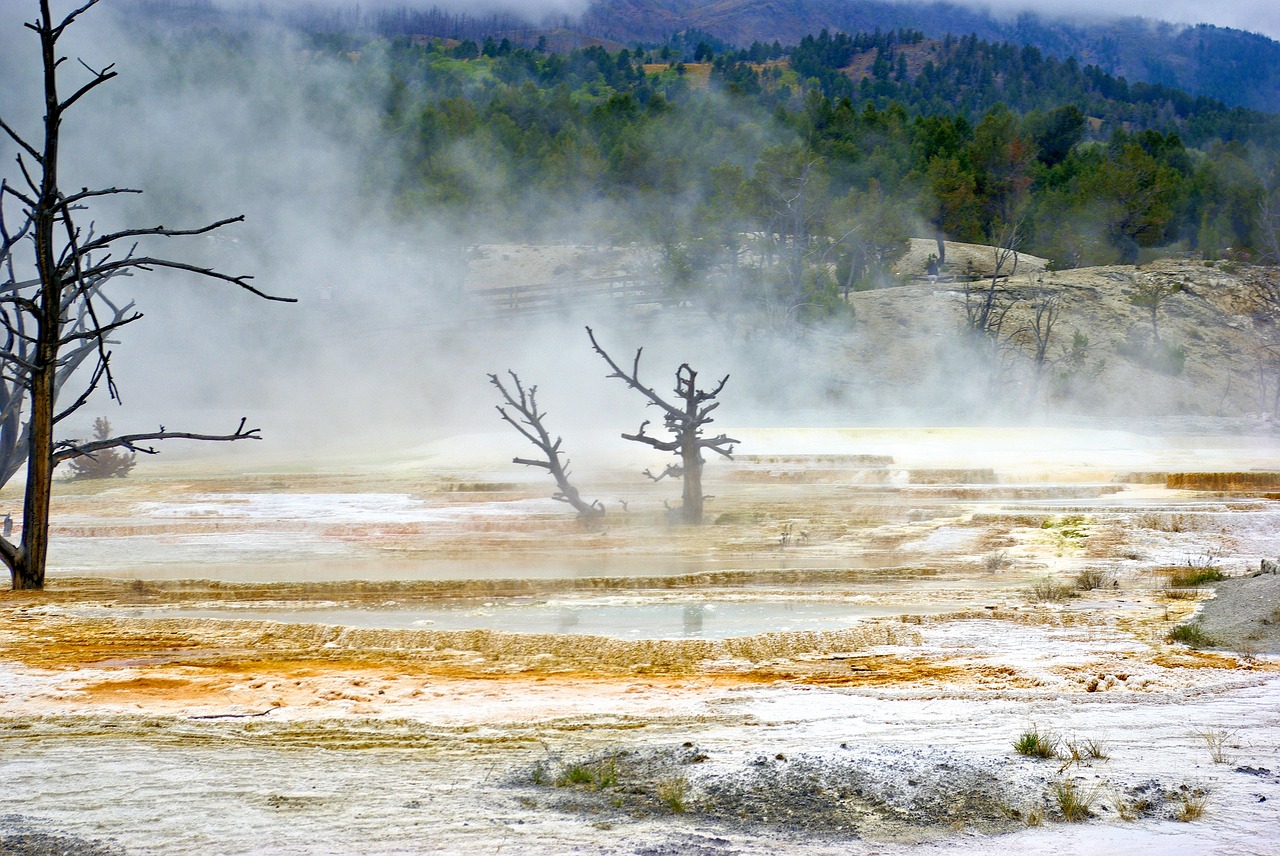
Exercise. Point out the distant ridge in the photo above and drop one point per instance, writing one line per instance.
(1236, 67)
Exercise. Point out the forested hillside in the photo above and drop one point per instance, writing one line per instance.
(838, 149)
(790, 175)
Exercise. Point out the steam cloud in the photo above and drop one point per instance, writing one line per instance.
(377, 354)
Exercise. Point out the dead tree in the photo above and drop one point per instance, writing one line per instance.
(1037, 334)
(1269, 218)
(685, 423)
(525, 403)
(986, 307)
(57, 319)
(1151, 295)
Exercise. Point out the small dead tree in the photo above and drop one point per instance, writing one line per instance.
(985, 307)
(57, 318)
(1037, 334)
(684, 422)
(530, 425)
(1151, 295)
(1269, 219)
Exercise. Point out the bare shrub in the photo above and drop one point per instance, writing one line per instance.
(1218, 740)
(1093, 578)
(996, 560)
(1049, 590)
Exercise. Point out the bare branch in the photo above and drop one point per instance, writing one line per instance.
(633, 379)
(8, 552)
(56, 32)
(151, 263)
(99, 372)
(673, 470)
(27, 147)
(660, 445)
(157, 231)
(67, 449)
(101, 78)
(719, 444)
(70, 202)
(99, 333)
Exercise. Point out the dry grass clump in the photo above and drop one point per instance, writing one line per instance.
(1081, 752)
(1218, 740)
(1073, 802)
(1129, 809)
(1191, 803)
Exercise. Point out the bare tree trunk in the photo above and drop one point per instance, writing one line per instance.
(28, 570)
(691, 465)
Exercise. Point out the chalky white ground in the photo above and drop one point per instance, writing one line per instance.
(388, 759)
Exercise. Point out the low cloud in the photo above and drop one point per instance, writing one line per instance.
(1260, 16)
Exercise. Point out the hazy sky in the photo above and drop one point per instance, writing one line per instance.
(1261, 16)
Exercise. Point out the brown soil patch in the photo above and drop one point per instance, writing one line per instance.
(909, 671)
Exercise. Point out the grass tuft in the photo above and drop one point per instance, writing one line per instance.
(594, 775)
(674, 793)
(1192, 804)
(1033, 744)
(1194, 576)
(1074, 803)
(1192, 636)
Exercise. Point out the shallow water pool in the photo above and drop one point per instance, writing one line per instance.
(624, 618)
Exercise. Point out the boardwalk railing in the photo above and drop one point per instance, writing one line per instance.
(551, 297)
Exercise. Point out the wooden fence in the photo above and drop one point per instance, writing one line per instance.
(555, 297)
